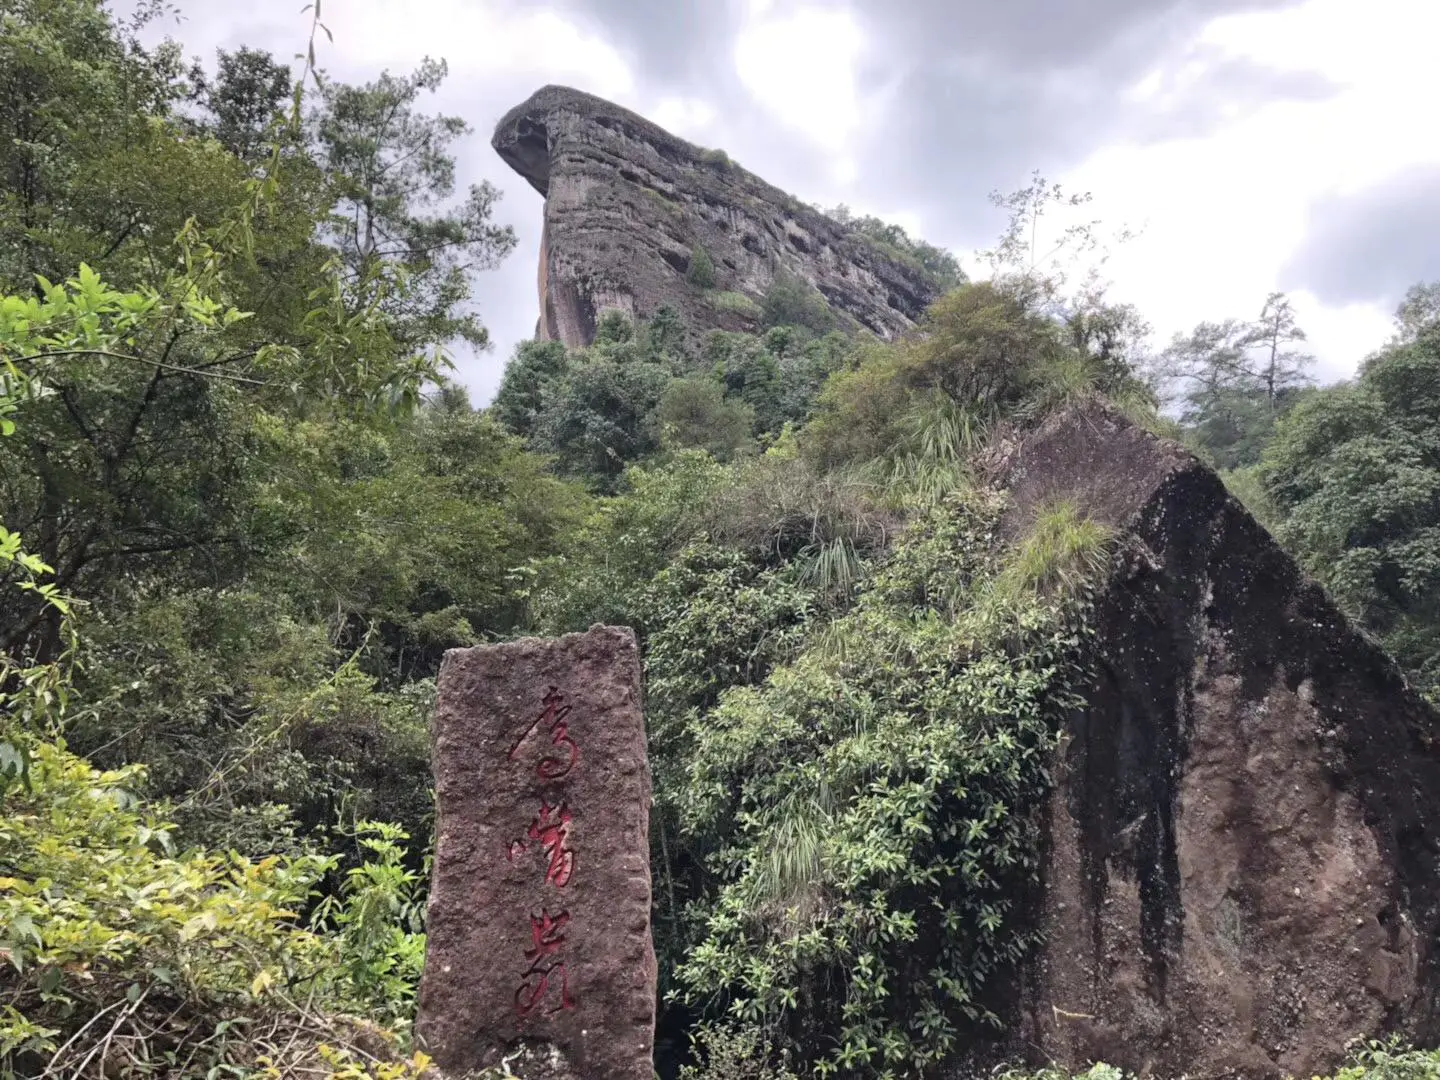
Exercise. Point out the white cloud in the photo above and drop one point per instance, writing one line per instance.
(1226, 211)
(375, 34)
(690, 118)
(800, 67)
(1341, 336)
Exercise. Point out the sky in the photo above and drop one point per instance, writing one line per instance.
(1252, 145)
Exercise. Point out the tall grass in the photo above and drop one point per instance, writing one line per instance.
(787, 879)
(1062, 553)
(938, 442)
(826, 525)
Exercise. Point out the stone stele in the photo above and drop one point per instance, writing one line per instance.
(539, 949)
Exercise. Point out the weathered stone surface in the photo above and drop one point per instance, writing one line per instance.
(539, 917)
(1241, 870)
(626, 202)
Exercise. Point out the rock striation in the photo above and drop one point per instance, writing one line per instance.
(627, 204)
(1241, 857)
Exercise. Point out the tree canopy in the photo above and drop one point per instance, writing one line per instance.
(245, 509)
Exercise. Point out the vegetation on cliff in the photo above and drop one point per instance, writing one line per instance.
(243, 513)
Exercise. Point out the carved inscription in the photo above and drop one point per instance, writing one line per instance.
(546, 978)
(538, 926)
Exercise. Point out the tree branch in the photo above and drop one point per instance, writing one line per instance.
(204, 373)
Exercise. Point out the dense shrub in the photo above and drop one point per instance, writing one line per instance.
(701, 271)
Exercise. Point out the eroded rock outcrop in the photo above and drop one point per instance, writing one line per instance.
(1241, 869)
(627, 203)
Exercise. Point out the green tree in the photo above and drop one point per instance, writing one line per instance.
(1234, 379)
(749, 373)
(247, 97)
(1114, 336)
(693, 412)
(665, 335)
(1354, 471)
(530, 376)
(701, 271)
(1275, 364)
(598, 420)
(1419, 312)
(394, 176)
(789, 301)
(415, 530)
(78, 98)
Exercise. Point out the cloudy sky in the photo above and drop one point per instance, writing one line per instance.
(1255, 144)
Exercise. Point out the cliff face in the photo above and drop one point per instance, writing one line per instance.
(1241, 870)
(626, 204)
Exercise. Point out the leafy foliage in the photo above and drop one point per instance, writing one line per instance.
(792, 302)
(1354, 472)
(638, 392)
(701, 271)
(717, 159)
(874, 796)
(1419, 312)
(693, 412)
(530, 377)
(941, 269)
(736, 1052)
(122, 953)
(246, 100)
(394, 178)
(77, 97)
(738, 303)
(985, 353)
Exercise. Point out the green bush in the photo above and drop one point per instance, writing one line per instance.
(701, 272)
(1353, 473)
(119, 949)
(693, 412)
(865, 811)
(791, 301)
(717, 158)
(736, 1052)
(736, 302)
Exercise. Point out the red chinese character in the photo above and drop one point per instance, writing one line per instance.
(545, 935)
(553, 834)
(536, 984)
(553, 716)
(545, 939)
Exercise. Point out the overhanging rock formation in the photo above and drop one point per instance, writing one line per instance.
(1241, 870)
(626, 204)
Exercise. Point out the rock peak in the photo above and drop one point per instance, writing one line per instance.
(628, 204)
